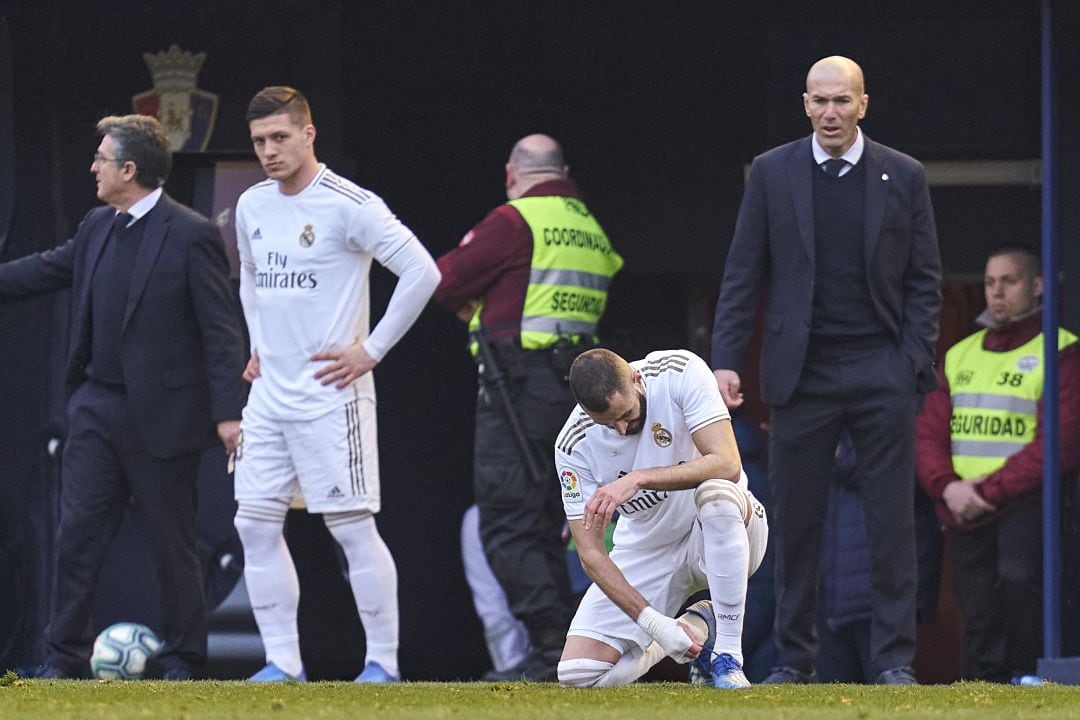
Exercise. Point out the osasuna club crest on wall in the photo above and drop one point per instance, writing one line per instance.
(187, 113)
(307, 238)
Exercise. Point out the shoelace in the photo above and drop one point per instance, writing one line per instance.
(726, 662)
(704, 661)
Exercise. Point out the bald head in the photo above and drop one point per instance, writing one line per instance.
(538, 154)
(835, 102)
(837, 68)
(534, 159)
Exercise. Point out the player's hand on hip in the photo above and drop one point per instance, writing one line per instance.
(729, 383)
(251, 371)
(344, 365)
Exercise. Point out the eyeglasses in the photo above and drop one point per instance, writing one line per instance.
(99, 159)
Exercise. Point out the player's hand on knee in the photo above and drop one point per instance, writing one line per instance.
(601, 507)
(676, 639)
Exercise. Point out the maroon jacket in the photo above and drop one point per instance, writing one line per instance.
(492, 263)
(1022, 473)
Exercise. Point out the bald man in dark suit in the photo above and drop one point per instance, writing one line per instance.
(840, 230)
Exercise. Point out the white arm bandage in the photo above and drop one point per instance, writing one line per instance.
(665, 631)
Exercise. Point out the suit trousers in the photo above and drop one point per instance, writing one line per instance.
(871, 392)
(105, 469)
(521, 517)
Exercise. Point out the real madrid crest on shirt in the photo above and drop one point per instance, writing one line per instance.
(307, 237)
(661, 435)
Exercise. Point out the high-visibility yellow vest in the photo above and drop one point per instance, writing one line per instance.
(572, 264)
(995, 397)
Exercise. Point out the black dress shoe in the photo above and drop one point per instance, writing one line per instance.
(897, 676)
(176, 673)
(171, 669)
(787, 675)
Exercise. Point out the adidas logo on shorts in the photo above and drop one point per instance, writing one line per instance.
(335, 492)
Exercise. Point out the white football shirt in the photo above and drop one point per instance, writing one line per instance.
(681, 398)
(305, 260)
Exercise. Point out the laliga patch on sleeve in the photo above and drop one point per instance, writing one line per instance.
(569, 481)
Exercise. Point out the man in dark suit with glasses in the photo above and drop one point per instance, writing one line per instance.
(154, 376)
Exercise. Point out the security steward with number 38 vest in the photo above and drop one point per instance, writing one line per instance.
(979, 454)
(532, 281)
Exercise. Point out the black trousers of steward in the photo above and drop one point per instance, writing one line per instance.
(521, 518)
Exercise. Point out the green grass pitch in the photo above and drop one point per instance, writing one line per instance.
(209, 700)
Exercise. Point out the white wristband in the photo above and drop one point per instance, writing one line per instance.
(665, 631)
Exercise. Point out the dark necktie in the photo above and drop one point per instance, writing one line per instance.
(119, 222)
(833, 166)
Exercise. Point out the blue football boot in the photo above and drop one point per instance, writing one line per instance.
(272, 673)
(719, 669)
(375, 673)
(727, 673)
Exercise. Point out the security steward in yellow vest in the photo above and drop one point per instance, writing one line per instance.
(979, 452)
(532, 278)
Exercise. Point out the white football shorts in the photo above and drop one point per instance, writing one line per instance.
(666, 576)
(331, 460)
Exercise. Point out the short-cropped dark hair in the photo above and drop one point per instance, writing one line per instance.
(140, 139)
(1029, 256)
(279, 99)
(596, 376)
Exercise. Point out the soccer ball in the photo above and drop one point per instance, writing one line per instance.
(121, 651)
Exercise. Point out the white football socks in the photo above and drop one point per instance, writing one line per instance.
(373, 577)
(727, 558)
(271, 580)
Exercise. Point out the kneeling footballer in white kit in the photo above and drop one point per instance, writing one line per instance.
(652, 440)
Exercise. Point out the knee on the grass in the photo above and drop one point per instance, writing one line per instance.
(582, 672)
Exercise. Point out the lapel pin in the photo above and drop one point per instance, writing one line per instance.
(884, 176)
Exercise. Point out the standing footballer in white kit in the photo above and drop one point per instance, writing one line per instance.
(652, 441)
(306, 238)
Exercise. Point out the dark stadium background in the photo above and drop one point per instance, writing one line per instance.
(659, 107)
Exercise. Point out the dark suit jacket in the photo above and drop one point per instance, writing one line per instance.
(773, 246)
(181, 344)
